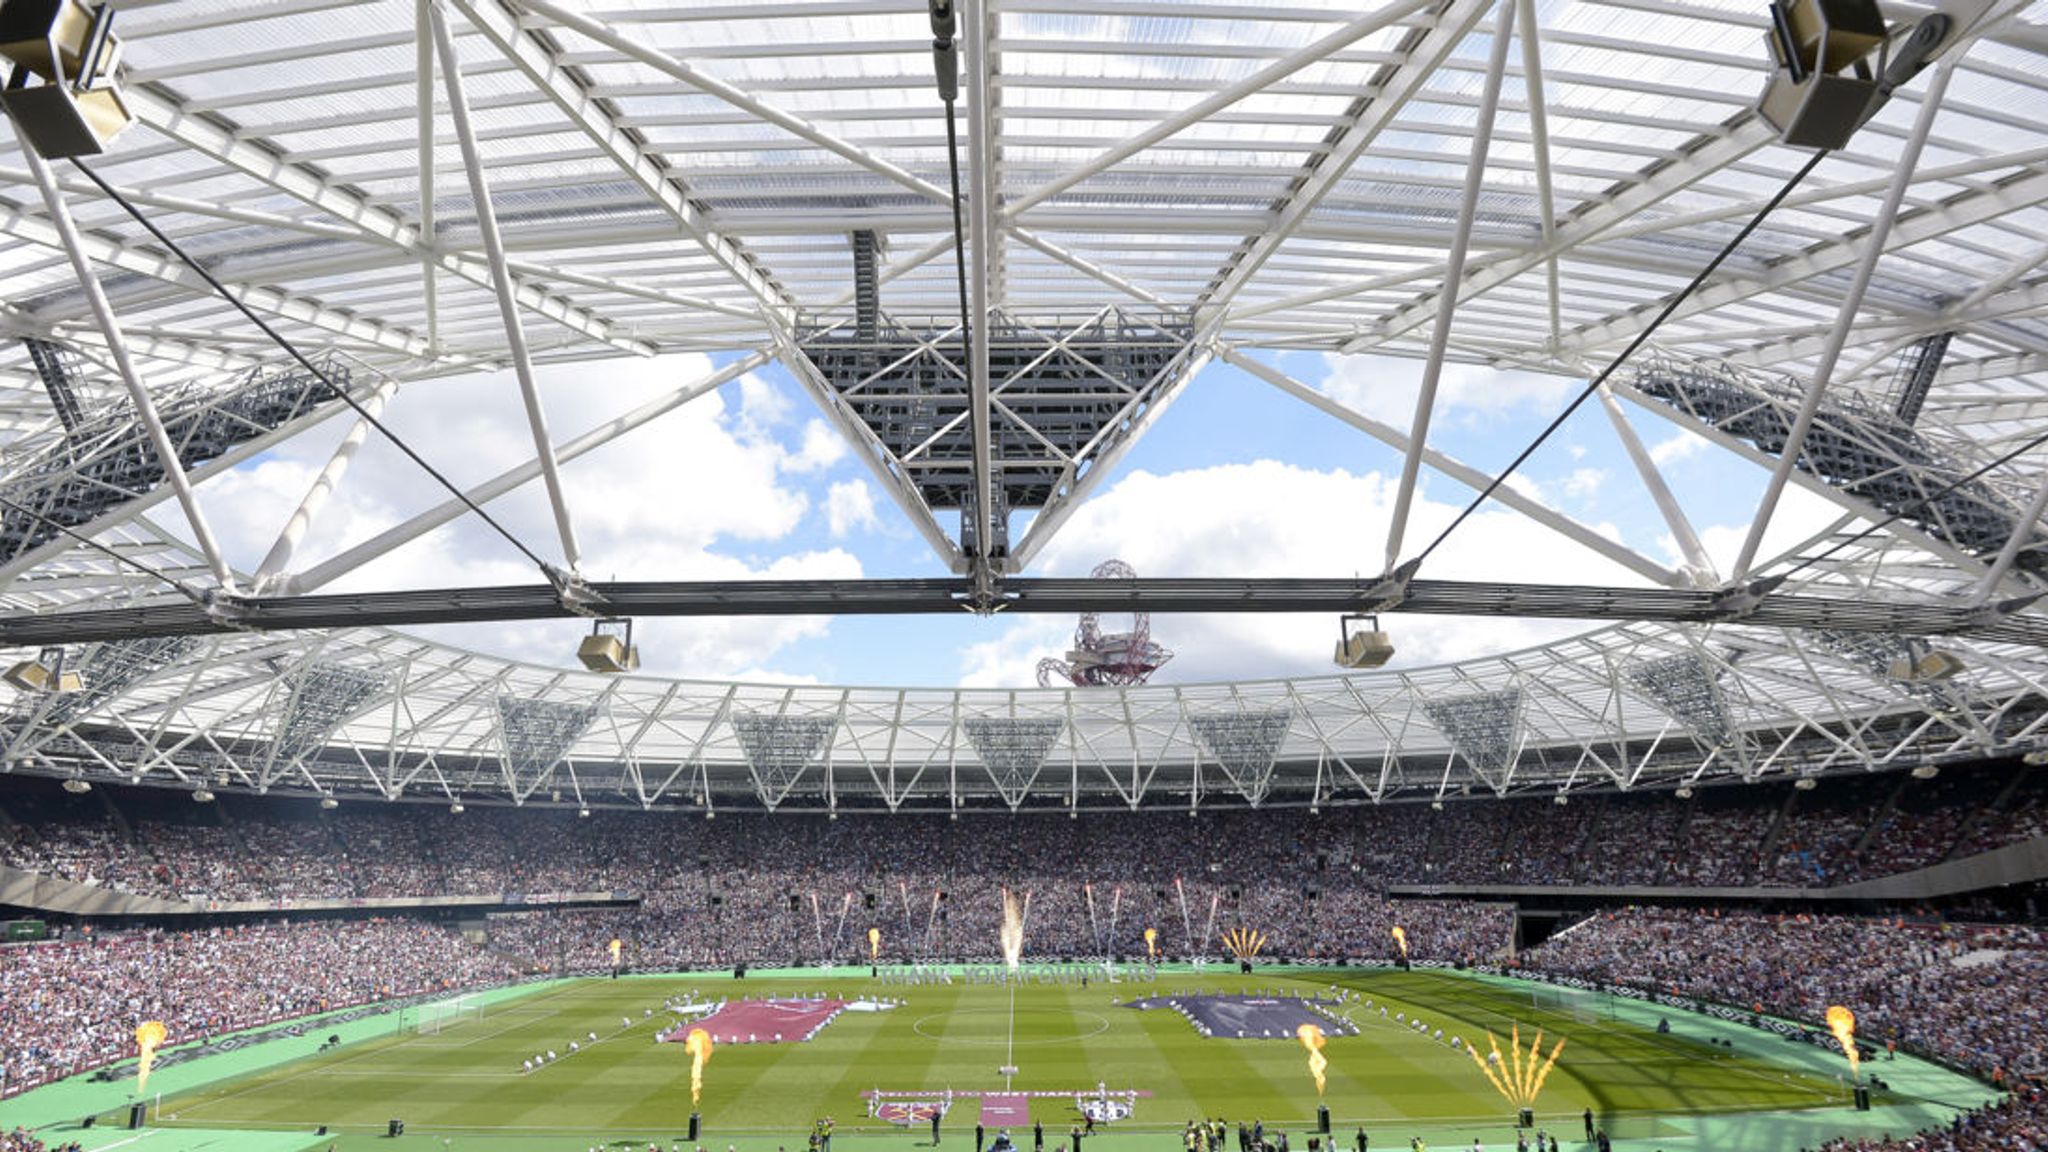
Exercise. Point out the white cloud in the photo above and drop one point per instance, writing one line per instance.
(1273, 519)
(1386, 388)
(665, 501)
(822, 447)
(1682, 445)
(850, 505)
(1585, 482)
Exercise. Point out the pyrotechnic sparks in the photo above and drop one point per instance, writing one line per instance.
(1152, 942)
(1013, 929)
(615, 946)
(1519, 1079)
(698, 1045)
(149, 1035)
(874, 944)
(1244, 943)
(1842, 1023)
(1311, 1038)
(1401, 938)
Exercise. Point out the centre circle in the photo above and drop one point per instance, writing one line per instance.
(990, 1027)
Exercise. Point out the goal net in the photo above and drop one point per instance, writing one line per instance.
(435, 1018)
(1577, 1003)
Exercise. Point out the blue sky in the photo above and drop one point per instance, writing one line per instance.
(1236, 478)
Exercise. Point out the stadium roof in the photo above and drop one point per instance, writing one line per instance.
(1149, 188)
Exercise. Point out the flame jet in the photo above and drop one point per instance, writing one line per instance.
(149, 1036)
(1311, 1038)
(1842, 1023)
(698, 1045)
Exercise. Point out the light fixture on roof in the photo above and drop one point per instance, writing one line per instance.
(202, 795)
(456, 808)
(1362, 647)
(329, 803)
(1836, 64)
(45, 673)
(583, 812)
(1926, 771)
(77, 785)
(61, 90)
(2036, 758)
(1806, 783)
(1922, 665)
(609, 648)
(1561, 800)
(1684, 792)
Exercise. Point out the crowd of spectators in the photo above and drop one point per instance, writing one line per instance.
(281, 851)
(74, 1004)
(1969, 994)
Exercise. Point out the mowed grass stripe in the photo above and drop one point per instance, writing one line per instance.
(1067, 1039)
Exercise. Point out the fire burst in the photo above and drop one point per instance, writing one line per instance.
(1401, 938)
(698, 1045)
(1152, 942)
(1312, 1039)
(1244, 943)
(149, 1035)
(1012, 936)
(1842, 1023)
(615, 946)
(1519, 1080)
(874, 944)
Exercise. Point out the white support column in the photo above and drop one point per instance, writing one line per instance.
(1660, 492)
(2022, 533)
(423, 95)
(1447, 294)
(294, 530)
(1845, 317)
(1539, 143)
(448, 510)
(501, 281)
(117, 350)
(981, 229)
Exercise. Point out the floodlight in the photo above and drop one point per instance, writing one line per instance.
(45, 673)
(1925, 771)
(202, 795)
(609, 648)
(1684, 792)
(1836, 66)
(1365, 646)
(1806, 783)
(1926, 666)
(945, 51)
(2036, 758)
(77, 785)
(456, 808)
(62, 93)
(329, 803)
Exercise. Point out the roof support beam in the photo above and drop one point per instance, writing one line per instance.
(1454, 268)
(138, 393)
(450, 510)
(1430, 50)
(1463, 473)
(501, 283)
(1845, 318)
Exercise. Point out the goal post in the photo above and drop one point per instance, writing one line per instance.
(439, 1016)
(1578, 1003)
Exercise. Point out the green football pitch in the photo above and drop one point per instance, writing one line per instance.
(1063, 1040)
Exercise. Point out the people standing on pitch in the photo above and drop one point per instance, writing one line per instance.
(1589, 1125)
(1363, 1143)
(935, 1127)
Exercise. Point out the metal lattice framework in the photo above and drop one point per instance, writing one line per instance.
(1485, 728)
(537, 734)
(410, 191)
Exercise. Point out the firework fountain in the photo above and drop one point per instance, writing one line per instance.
(1401, 938)
(874, 945)
(1152, 943)
(1011, 937)
(1519, 1079)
